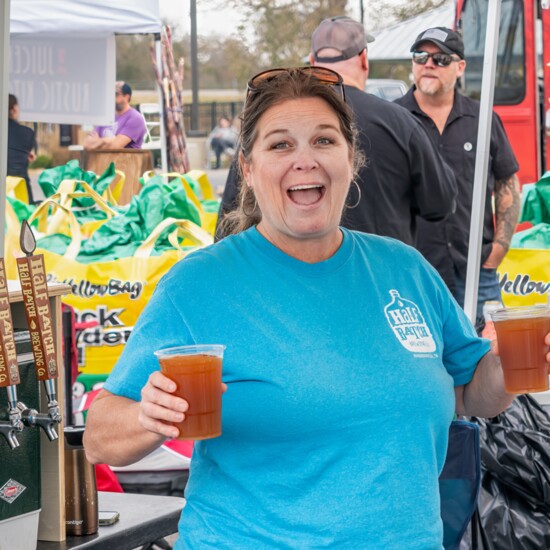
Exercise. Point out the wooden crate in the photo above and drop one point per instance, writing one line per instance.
(133, 162)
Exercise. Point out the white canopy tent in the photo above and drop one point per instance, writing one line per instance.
(62, 55)
(30, 21)
(84, 16)
(393, 43)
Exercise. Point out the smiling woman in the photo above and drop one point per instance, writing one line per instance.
(346, 356)
(298, 159)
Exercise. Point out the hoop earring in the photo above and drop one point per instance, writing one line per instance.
(249, 214)
(358, 196)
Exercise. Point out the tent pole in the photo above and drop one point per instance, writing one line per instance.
(482, 158)
(194, 69)
(4, 81)
(163, 156)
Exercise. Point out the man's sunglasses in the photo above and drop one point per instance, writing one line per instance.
(322, 74)
(439, 58)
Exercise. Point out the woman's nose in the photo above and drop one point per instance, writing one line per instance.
(305, 160)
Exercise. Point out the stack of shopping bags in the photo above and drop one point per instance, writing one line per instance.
(112, 256)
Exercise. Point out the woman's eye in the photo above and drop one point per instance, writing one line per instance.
(325, 141)
(280, 145)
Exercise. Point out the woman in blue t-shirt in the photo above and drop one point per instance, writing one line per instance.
(346, 356)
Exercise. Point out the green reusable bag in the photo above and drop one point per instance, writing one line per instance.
(22, 209)
(50, 179)
(120, 236)
(535, 203)
(537, 237)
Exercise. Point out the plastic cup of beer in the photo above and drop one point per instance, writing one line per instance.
(197, 372)
(520, 336)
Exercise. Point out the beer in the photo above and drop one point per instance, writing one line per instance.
(197, 372)
(520, 335)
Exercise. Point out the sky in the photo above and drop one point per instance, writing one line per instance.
(209, 20)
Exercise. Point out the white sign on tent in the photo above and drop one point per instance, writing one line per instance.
(63, 79)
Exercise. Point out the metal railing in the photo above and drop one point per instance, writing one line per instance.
(209, 114)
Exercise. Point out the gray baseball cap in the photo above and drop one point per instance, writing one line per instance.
(340, 33)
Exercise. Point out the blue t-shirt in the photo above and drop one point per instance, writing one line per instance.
(340, 392)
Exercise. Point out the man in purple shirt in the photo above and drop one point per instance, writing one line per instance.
(128, 129)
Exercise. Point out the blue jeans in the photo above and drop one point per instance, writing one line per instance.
(488, 289)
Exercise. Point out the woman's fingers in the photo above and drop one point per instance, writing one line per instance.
(157, 426)
(159, 408)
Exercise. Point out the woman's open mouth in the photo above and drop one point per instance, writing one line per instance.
(306, 195)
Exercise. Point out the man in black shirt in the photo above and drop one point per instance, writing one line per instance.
(21, 144)
(403, 176)
(451, 119)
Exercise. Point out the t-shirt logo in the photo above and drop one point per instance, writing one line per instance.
(408, 325)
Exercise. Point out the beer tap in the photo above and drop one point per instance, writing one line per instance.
(31, 417)
(9, 369)
(32, 275)
(14, 424)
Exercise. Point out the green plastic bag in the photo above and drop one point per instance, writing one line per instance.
(22, 209)
(120, 236)
(50, 179)
(537, 237)
(535, 203)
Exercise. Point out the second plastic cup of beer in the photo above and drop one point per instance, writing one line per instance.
(520, 336)
(197, 372)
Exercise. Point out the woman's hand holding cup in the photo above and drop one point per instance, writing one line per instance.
(159, 409)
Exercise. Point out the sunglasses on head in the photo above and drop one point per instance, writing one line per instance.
(439, 58)
(322, 74)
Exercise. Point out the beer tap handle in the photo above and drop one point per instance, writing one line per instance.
(32, 274)
(9, 369)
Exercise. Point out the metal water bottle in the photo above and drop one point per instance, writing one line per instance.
(81, 512)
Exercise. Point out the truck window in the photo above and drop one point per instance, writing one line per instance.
(510, 71)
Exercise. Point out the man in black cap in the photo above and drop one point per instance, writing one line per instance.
(452, 119)
(403, 176)
(128, 130)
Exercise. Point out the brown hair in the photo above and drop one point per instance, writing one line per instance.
(286, 85)
(12, 102)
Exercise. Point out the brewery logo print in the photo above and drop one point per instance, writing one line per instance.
(408, 325)
(11, 490)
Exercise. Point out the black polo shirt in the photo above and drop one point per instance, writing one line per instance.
(403, 177)
(445, 243)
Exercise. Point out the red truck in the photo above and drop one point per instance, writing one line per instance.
(522, 82)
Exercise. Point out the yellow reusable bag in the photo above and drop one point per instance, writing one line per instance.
(13, 250)
(58, 222)
(113, 293)
(524, 277)
(16, 187)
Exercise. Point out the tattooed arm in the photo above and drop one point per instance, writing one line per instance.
(507, 205)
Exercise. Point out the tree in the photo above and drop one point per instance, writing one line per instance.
(281, 29)
(382, 13)
(224, 63)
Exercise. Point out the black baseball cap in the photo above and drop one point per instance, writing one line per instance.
(123, 88)
(446, 39)
(340, 33)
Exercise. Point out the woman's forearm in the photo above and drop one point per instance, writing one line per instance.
(113, 434)
(485, 395)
